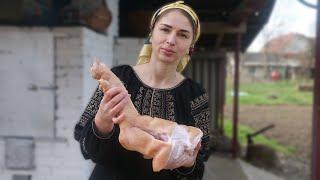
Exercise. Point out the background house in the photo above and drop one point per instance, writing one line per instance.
(288, 56)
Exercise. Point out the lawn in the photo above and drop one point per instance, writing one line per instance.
(259, 139)
(270, 93)
(267, 93)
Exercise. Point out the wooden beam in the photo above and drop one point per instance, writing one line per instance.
(235, 117)
(245, 9)
(222, 28)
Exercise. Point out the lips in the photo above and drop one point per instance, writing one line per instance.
(167, 51)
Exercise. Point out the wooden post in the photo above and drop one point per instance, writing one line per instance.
(315, 167)
(235, 143)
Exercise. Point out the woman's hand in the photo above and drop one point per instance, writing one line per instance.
(194, 156)
(110, 110)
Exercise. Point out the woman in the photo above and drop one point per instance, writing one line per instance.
(158, 89)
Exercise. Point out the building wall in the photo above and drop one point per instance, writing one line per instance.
(113, 29)
(126, 50)
(57, 156)
(22, 78)
(65, 55)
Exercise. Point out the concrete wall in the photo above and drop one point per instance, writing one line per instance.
(113, 29)
(61, 56)
(23, 83)
(57, 156)
(126, 50)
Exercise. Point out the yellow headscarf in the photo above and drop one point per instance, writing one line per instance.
(145, 52)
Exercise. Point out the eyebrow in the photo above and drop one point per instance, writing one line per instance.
(182, 30)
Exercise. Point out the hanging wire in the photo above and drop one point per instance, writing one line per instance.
(308, 4)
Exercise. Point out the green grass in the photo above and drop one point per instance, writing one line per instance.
(260, 139)
(271, 93)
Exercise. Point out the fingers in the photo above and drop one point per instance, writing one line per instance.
(193, 156)
(112, 92)
(118, 119)
(198, 147)
(120, 105)
(117, 99)
(114, 101)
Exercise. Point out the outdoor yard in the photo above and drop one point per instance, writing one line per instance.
(281, 104)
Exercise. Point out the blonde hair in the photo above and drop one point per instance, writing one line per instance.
(146, 50)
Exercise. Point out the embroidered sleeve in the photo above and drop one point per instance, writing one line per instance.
(200, 114)
(98, 148)
(89, 112)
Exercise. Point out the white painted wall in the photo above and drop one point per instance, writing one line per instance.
(113, 29)
(126, 50)
(95, 45)
(57, 156)
(25, 55)
(70, 50)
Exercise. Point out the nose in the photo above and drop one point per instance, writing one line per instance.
(171, 39)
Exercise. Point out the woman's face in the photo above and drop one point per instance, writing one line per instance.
(171, 37)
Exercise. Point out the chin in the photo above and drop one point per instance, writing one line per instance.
(167, 59)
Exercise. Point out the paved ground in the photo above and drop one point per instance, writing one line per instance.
(221, 167)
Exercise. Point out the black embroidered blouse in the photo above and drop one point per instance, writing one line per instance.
(186, 103)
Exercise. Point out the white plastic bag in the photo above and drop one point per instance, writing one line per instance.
(184, 148)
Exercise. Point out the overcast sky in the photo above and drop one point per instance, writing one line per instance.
(287, 16)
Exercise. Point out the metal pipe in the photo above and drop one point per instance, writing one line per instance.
(223, 75)
(315, 172)
(235, 143)
(202, 61)
(209, 82)
(308, 4)
(221, 89)
(194, 75)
